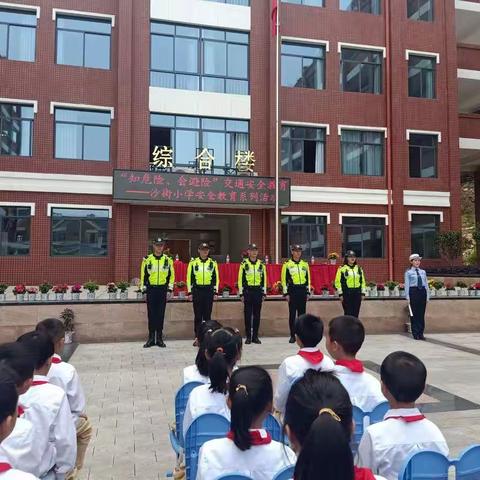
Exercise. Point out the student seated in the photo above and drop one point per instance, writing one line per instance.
(319, 423)
(223, 351)
(65, 375)
(8, 417)
(248, 448)
(345, 337)
(46, 405)
(385, 445)
(198, 372)
(308, 334)
(25, 448)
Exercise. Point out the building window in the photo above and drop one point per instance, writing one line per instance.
(420, 10)
(421, 76)
(312, 3)
(308, 231)
(79, 232)
(365, 236)
(186, 135)
(14, 230)
(362, 152)
(16, 129)
(17, 34)
(303, 149)
(303, 65)
(192, 58)
(365, 6)
(82, 134)
(425, 229)
(233, 2)
(361, 71)
(423, 155)
(83, 42)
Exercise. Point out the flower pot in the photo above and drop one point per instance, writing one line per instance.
(386, 292)
(333, 261)
(76, 296)
(464, 292)
(112, 295)
(367, 292)
(471, 293)
(45, 297)
(123, 295)
(433, 292)
(225, 294)
(32, 297)
(90, 295)
(452, 293)
(373, 292)
(139, 295)
(401, 293)
(59, 296)
(477, 293)
(182, 294)
(69, 337)
(381, 293)
(20, 297)
(3, 297)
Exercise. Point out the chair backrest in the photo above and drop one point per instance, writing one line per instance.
(273, 427)
(425, 465)
(378, 413)
(234, 476)
(364, 419)
(468, 464)
(181, 399)
(204, 428)
(285, 474)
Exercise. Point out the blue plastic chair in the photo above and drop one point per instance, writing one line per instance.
(234, 476)
(425, 465)
(273, 427)
(468, 464)
(204, 428)
(363, 419)
(285, 474)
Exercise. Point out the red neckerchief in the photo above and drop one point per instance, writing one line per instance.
(408, 418)
(312, 357)
(20, 410)
(5, 467)
(56, 360)
(256, 437)
(355, 366)
(35, 383)
(363, 474)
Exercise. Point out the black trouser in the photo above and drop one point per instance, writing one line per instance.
(296, 306)
(252, 306)
(156, 303)
(202, 306)
(351, 301)
(418, 304)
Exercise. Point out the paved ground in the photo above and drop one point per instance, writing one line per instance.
(130, 395)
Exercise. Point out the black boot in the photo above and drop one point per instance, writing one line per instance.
(256, 340)
(248, 341)
(151, 341)
(292, 339)
(160, 343)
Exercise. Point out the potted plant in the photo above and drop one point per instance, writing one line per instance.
(392, 288)
(226, 291)
(333, 257)
(76, 290)
(381, 290)
(451, 290)
(463, 288)
(32, 293)
(181, 289)
(60, 290)
(439, 287)
(325, 291)
(140, 293)
(472, 291)
(3, 289)
(431, 288)
(112, 291)
(401, 289)
(19, 292)
(477, 289)
(68, 317)
(372, 289)
(91, 287)
(45, 288)
(123, 288)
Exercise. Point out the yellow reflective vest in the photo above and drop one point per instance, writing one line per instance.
(157, 271)
(350, 278)
(252, 274)
(295, 274)
(202, 273)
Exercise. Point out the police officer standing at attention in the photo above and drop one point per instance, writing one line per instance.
(158, 276)
(350, 284)
(252, 288)
(202, 285)
(417, 293)
(296, 286)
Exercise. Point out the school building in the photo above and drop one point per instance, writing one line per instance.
(125, 120)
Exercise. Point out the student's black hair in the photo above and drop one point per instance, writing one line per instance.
(223, 349)
(404, 375)
(39, 345)
(8, 392)
(15, 356)
(324, 437)
(53, 327)
(348, 332)
(251, 393)
(309, 329)
(204, 330)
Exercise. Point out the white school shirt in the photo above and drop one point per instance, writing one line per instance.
(11, 473)
(385, 445)
(260, 462)
(203, 400)
(65, 376)
(191, 374)
(292, 369)
(46, 406)
(364, 389)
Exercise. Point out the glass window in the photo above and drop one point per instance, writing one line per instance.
(79, 232)
(362, 152)
(14, 230)
(82, 134)
(17, 34)
(364, 235)
(16, 129)
(361, 70)
(424, 230)
(421, 76)
(365, 6)
(303, 65)
(423, 155)
(232, 2)
(312, 3)
(420, 10)
(308, 231)
(303, 149)
(192, 58)
(83, 42)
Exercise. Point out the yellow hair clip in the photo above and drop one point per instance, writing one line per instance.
(331, 413)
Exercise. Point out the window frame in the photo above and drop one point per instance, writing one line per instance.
(17, 205)
(434, 58)
(380, 53)
(22, 119)
(303, 4)
(23, 11)
(421, 148)
(439, 218)
(431, 10)
(357, 9)
(232, 2)
(324, 224)
(362, 227)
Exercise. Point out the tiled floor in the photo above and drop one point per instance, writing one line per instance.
(130, 395)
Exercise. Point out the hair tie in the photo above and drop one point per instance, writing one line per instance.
(241, 387)
(209, 330)
(220, 350)
(331, 413)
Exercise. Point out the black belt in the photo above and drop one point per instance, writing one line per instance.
(417, 288)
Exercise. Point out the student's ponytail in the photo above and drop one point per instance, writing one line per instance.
(8, 392)
(204, 331)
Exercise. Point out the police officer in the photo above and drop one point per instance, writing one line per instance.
(252, 288)
(350, 284)
(417, 293)
(158, 276)
(296, 286)
(202, 285)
